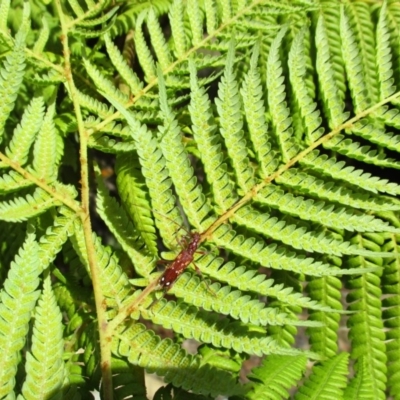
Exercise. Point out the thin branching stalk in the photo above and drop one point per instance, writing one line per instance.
(105, 349)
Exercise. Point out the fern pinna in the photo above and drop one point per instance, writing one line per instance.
(269, 129)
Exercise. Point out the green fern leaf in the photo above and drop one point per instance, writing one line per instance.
(294, 234)
(178, 163)
(282, 259)
(43, 37)
(353, 63)
(4, 9)
(143, 52)
(18, 300)
(122, 67)
(114, 282)
(129, 238)
(209, 328)
(144, 348)
(357, 177)
(360, 386)
(13, 71)
(232, 302)
(331, 87)
(13, 182)
(391, 299)
(44, 364)
(383, 55)
(132, 189)
(349, 148)
(278, 107)
(326, 381)
(277, 374)
(196, 16)
(231, 123)
(307, 184)
(374, 132)
(325, 290)
(249, 281)
(362, 25)
(307, 107)
(177, 27)
(326, 214)
(23, 208)
(104, 84)
(56, 235)
(156, 175)
(48, 148)
(158, 40)
(366, 332)
(255, 117)
(209, 145)
(24, 134)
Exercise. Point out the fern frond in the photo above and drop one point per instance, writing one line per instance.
(48, 148)
(331, 88)
(43, 37)
(17, 301)
(346, 146)
(295, 234)
(90, 22)
(25, 132)
(104, 84)
(114, 282)
(156, 175)
(375, 133)
(282, 259)
(209, 145)
(357, 177)
(209, 328)
(44, 363)
(366, 325)
(360, 386)
(13, 70)
(277, 374)
(232, 302)
(255, 116)
(334, 191)
(134, 196)
(327, 291)
(231, 125)
(143, 52)
(121, 227)
(250, 281)
(307, 107)
(391, 315)
(144, 348)
(4, 9)
(13, 182)
(23, 208)
(178, 163)
(361, 21)
(94, 106)
(383, 55)
(196, 17)
(320, 212)
(158, 40)
(177, 27)
(326, 380)
(353, 64)
(56, 235)
(122, 67)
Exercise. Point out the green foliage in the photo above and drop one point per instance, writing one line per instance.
(269, 129)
